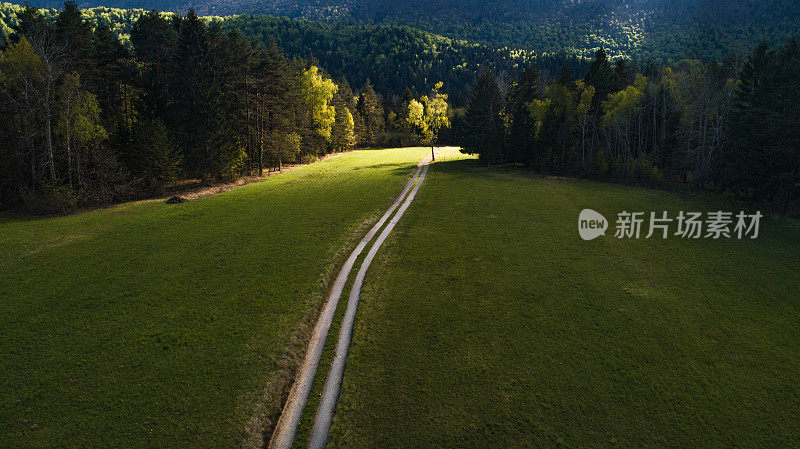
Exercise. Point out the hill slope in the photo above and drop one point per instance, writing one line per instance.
(647, 28)
(392, 57)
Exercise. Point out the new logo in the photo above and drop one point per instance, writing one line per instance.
(591, 224)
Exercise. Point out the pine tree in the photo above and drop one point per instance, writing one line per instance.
(77, 34)
(190, 117)
(624, 74)
(371, 111)
(600, 76)
(157, 161)
(520, 138)
(113, 79)
(763, 161)
(485, 132)
(155, 41)
(277, 96)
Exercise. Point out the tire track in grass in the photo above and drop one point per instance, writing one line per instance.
(286, 428)
(330, 393)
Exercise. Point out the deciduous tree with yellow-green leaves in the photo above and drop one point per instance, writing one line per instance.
(429, 116)
(316, 92)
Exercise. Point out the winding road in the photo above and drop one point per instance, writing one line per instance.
(286, 428)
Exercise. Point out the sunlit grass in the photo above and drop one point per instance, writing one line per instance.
(149, 325)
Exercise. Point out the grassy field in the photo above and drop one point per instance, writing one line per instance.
(148, 325)
(487, 322)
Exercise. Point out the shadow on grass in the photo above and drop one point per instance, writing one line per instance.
(399, 166)
(18, 216)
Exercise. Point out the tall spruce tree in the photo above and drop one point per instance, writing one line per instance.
(277, 96)
(600, 75)
(521, 131)
(155, 41)
(76, 33)
(485, 132)
(763, 162)
(190, 116)
(370, 109)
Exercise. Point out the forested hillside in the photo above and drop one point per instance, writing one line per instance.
(119, 21)
(392, 58)
(644, 29)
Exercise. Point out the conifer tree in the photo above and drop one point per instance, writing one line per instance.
(520, 128)
(371, 111)
(763, 163)
(485, 132)
(600, 76)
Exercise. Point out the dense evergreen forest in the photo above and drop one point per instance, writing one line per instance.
(731, 127)
(661, 30)
(393, 58)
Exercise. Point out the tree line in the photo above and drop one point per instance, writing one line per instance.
(88, 120)
(732, 127)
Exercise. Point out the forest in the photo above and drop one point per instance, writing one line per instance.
(730, 127)
(90, 121)
(106, 105)
(393, 58)
(661, 30)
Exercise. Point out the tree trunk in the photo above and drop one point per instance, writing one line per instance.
(69, 149)
(50, 146)
(260, 135)
(69, 161)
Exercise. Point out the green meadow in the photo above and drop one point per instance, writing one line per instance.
(488, 322)
(150, 325)
(485, 321)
